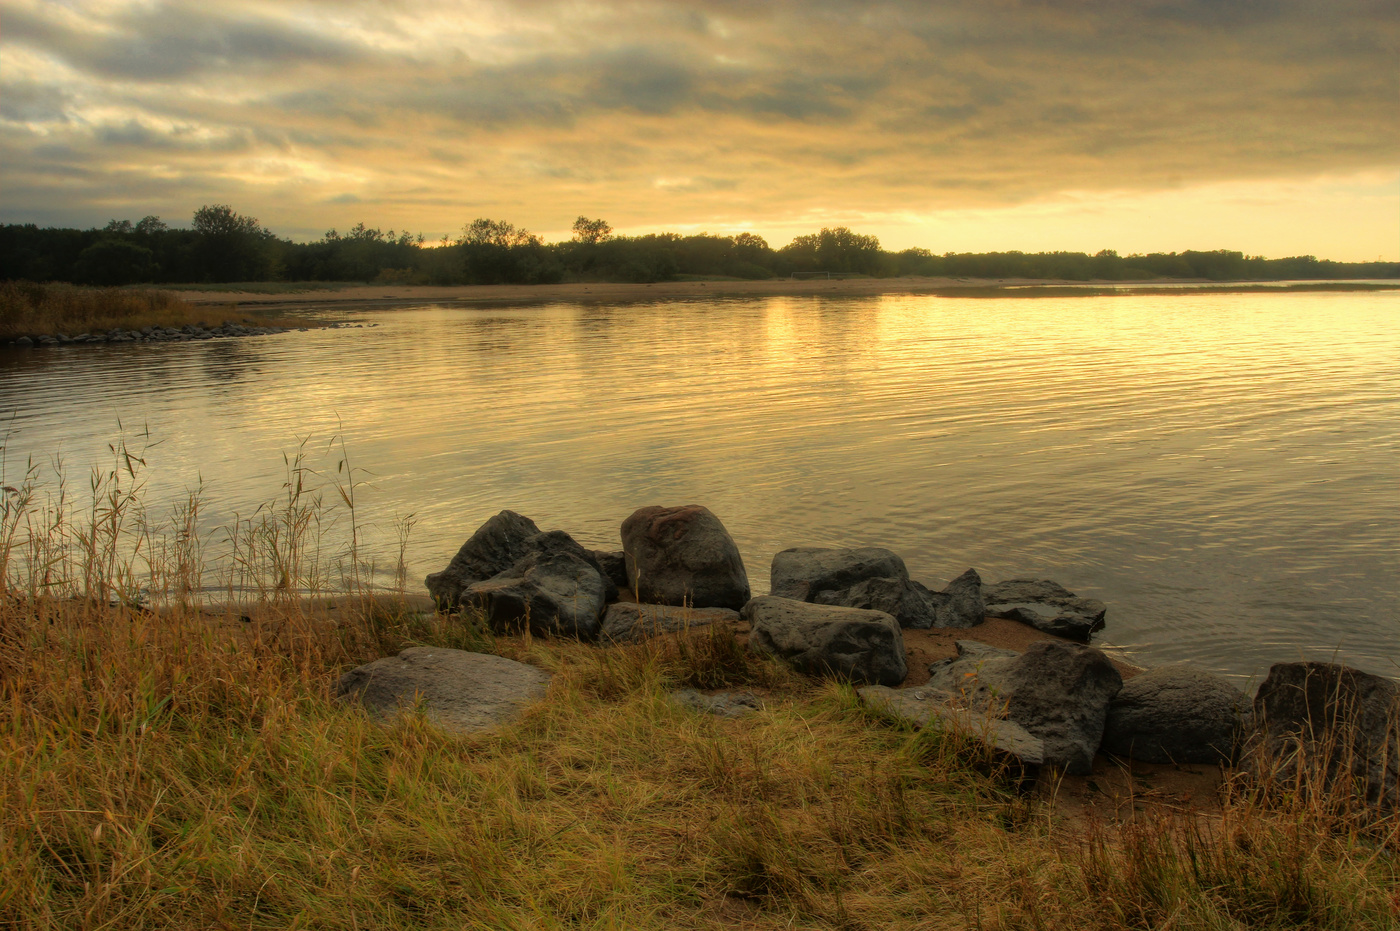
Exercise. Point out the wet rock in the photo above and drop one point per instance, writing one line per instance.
(1175, 714)
(496, 546)
(865, 647)
(1045, 605)
(629, 622)
(926, 707)
(1057, 691)
(804, 572)
(683, 555)
(1328, 723)
(722, 704)
(460, 692)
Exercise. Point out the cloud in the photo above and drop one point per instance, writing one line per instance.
(430, 110)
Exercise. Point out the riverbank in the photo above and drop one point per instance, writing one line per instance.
(622, 292)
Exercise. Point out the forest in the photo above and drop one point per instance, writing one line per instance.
(223, 246)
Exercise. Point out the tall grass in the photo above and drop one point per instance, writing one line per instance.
(30, 309)
(176, 761)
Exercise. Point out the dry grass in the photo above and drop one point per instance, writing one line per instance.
(185, 768)
(29, 309)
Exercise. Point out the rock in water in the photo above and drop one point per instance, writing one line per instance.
(1340, 724)
(629, 622)
(1175, 714)
(683, 556)
(865, 647)
(460, 692)
(804, 572)
(496, 546)
(1046, 606)
(1057, 691)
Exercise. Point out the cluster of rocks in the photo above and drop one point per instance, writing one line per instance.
(147, 334)
(842, 612)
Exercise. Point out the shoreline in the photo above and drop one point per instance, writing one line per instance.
(370, 295)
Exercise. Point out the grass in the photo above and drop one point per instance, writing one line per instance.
(29, 309)
(184, 766)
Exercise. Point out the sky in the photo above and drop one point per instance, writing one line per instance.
(1266, 126)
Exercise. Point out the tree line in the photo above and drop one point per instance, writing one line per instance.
(223, 246)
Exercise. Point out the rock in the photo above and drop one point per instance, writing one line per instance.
(1339, 724)
(496, 546)
(1057, 691)
(924, 707)
(554, 591)
(613, 565)
(865, 647)
(683, 556)
(460, 692)
(1175, 714)
(723, 704)
(913, 605)
(804, 572)
(24, 342)
(1046, 606)
(629, 622)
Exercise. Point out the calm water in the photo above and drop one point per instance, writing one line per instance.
(1222, 470)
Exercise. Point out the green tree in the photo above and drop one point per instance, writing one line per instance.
(592, 231)
(230, 246)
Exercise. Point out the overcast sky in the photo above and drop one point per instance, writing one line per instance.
(1270, 126)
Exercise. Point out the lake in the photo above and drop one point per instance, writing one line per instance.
(1223, 470)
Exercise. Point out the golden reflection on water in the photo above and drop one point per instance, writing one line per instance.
(1221, 469)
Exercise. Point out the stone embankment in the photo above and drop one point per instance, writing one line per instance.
(842, 613)
(149, 334)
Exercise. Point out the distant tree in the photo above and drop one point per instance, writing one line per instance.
(231, 247)
(591, 231)
(120, 227)
(484, 232)
(150, 226)
(835, 250)
(114, 262)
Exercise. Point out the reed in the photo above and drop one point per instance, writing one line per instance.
(30, 309)
(171, 757)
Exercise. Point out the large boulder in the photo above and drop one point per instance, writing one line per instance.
(1175, 714)
(865, 647)
(1057, 691)
(683, 556)
(1331, 724)
(913, 605)
(460, 692)
(554, 591)
(629, 622)
(1045, 605)
(804, 572)
(1008, 741)
(496, 546)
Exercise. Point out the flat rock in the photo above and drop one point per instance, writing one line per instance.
(1045, 605)
(683, 556)
(629, 622)
(1057, 691)
(804, 572)
(1175, 714)
(865, 647)
(460, 692)
(930, 707)
(1344, 724)
(495, 546)
(722, 704)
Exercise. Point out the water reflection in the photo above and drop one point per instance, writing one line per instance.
(1220, 469)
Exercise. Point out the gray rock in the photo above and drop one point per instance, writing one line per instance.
(723, 704)
(613, 565)
(1175, 714)
(1058, 691)
(24, 342)
(804, 572)
(460, 692)
(629, 622)
(1336, 724)
(683, 556)
(865, 647)
(496, 546)
(928, 707)
(962, 604)
(1047, 606)
(554, 591)
(913, 605)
